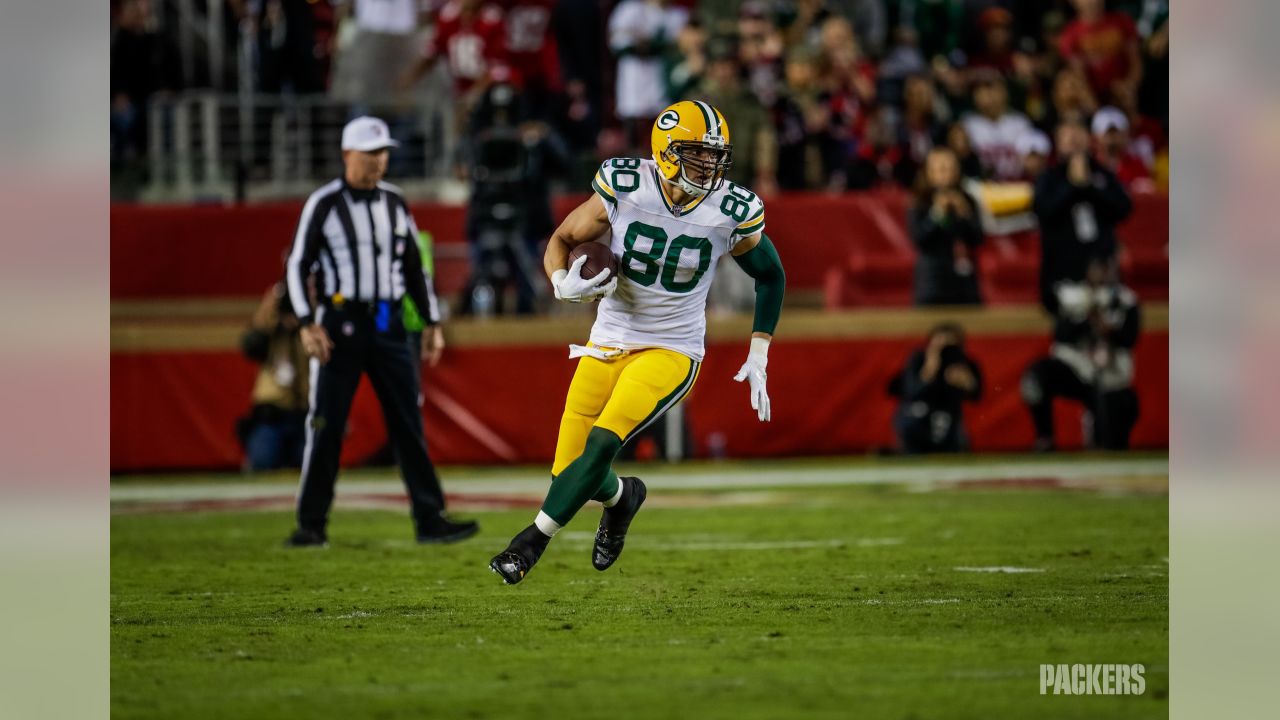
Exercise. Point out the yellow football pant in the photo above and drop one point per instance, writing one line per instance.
(622, 395)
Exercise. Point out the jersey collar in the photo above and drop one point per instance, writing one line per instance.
(360, 194)
(676, 210)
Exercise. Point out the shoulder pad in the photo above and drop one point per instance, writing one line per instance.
(617, 176)
(743, 207)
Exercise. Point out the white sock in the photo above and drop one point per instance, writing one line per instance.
(548, 526)
(616, 496)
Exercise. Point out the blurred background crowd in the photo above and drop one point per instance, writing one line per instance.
(821, 94)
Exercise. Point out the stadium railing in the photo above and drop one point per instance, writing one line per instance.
(206, 146)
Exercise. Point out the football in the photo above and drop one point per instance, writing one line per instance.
(599, 257)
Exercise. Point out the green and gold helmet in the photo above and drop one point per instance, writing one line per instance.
(691, 135)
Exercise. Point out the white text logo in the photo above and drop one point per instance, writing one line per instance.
(1092, 679)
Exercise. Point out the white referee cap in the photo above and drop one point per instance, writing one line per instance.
(367, 134)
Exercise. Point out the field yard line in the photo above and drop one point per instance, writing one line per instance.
(748, 545)
(524, 482)
(755, 545)
(729, 542)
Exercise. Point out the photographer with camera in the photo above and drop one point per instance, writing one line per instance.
(1078, 202)
(273, 433)
(945, 228)
(511, 158)
(1091, 359)
(933, 386)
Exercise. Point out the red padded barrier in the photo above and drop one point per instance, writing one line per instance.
(215, 251)
(176, 410)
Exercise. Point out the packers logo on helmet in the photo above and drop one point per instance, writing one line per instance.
(691, 146)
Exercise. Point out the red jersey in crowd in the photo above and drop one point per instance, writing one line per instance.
(469, 34)
(1132, 170)
(1002, 63)
(1103, 48)
(848, 109)
(1147, 139)
(531, 42)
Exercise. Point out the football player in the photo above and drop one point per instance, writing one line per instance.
(671, 218)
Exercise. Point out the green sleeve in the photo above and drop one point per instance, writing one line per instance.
(412, 319)
(763, 264)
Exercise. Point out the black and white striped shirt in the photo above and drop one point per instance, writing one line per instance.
(363, 244)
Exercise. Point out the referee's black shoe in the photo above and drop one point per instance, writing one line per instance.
(443, 530)
(615, 521)
(306, 538)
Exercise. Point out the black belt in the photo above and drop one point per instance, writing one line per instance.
(337, 302)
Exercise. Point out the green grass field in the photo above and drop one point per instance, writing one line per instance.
(830, 602)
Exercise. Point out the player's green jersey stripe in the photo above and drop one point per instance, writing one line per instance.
(715, 118)
(662, 193)
(669, 401)
(757, 214)
(595, 185)
(708, 116)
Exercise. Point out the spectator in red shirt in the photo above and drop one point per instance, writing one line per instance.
(1105, 45)
(850, 81)
(469, 34)
(996, 52)
(1112, 149)
(531, 52)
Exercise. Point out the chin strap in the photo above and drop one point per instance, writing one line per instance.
(687, 185)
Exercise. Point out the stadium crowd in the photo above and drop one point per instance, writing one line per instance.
(822, 94)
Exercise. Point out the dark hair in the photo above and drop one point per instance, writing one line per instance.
(920, 190)
(1070, 121)
(918, 75)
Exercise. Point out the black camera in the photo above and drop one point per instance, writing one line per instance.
(950, 355)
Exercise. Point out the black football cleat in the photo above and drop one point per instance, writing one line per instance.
(520, 556)
(615, 521)
(446, 531)
(306, 538)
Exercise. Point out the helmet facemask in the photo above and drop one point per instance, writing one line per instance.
(708, 160)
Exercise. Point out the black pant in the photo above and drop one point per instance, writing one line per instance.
(1114, 412)
(360, 348)
(937, 430)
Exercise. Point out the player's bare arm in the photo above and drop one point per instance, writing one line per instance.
(587, 222)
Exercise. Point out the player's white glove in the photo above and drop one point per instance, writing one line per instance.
(753, 371)
(570, 286)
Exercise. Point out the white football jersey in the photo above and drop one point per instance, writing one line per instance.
(666, 256)
(641, 87)
(996, 142)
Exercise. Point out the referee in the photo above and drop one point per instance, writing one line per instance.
(357, 236)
